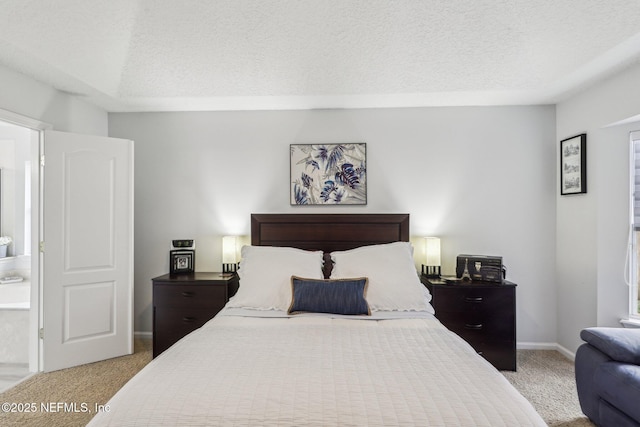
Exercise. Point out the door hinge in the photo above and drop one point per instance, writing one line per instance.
(41, 333)
(42, 247)
(42, 160)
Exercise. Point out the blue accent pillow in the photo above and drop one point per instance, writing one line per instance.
(337, 296)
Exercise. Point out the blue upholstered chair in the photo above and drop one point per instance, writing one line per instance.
(608, 376)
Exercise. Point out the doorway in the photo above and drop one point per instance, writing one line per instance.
(18, 354)
(87, 185)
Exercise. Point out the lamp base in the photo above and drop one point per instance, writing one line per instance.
(431, 271)
(230, 268)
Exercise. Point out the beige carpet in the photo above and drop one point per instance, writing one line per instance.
(546, 378)
(91, 385)
(543, 377)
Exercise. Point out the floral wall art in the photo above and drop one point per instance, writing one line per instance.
(329, 174)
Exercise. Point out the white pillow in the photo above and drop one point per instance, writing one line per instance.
(265, 275)
(393, 280)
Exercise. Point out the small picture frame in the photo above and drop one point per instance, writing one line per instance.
(182, 261)
(573, 165)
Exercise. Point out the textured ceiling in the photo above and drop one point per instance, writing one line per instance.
(169, 55)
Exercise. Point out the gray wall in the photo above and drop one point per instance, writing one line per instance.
(593, 228)
(482, 178)
(25, 96)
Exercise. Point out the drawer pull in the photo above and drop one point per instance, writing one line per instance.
(475, 327)
(188, 319)
(188, 294)
(473, 299)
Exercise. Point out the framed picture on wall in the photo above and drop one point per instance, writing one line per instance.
(573, 165)
(328, 174)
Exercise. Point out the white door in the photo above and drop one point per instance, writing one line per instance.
(88, 249)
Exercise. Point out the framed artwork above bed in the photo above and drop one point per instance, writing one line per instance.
(328, 174)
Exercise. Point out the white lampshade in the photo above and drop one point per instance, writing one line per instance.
(230, 249)
(432, 251)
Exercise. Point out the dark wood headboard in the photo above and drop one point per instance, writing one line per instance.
(328, 232)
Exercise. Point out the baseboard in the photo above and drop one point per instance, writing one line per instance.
(566, 353)
(143, 335)
(547, 346)
(537, 346)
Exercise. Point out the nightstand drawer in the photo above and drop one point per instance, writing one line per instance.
(473, 327)
(192, 296)
(502, 355)
(178, 319)
(171, 324)
(483, 301)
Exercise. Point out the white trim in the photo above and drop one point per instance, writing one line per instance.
(24, 121)
(631, 261)
(537, 346)
(630, 323)
(546, 346)
(566, 353)
(35, 316)
(144, 335)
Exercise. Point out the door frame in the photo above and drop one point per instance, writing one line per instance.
(35, 312)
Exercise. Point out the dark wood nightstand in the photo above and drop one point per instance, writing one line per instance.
(482, 313)
(183, 303)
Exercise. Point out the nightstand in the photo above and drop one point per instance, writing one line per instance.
(183, 303)
(482, 313)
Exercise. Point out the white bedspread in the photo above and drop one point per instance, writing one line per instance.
(319, 371)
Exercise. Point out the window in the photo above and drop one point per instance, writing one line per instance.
(634, 296)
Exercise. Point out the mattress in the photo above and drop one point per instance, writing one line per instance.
(242, 370)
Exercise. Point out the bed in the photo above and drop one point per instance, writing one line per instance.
(354, 344)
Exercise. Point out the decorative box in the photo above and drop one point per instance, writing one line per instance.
(483, 268)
